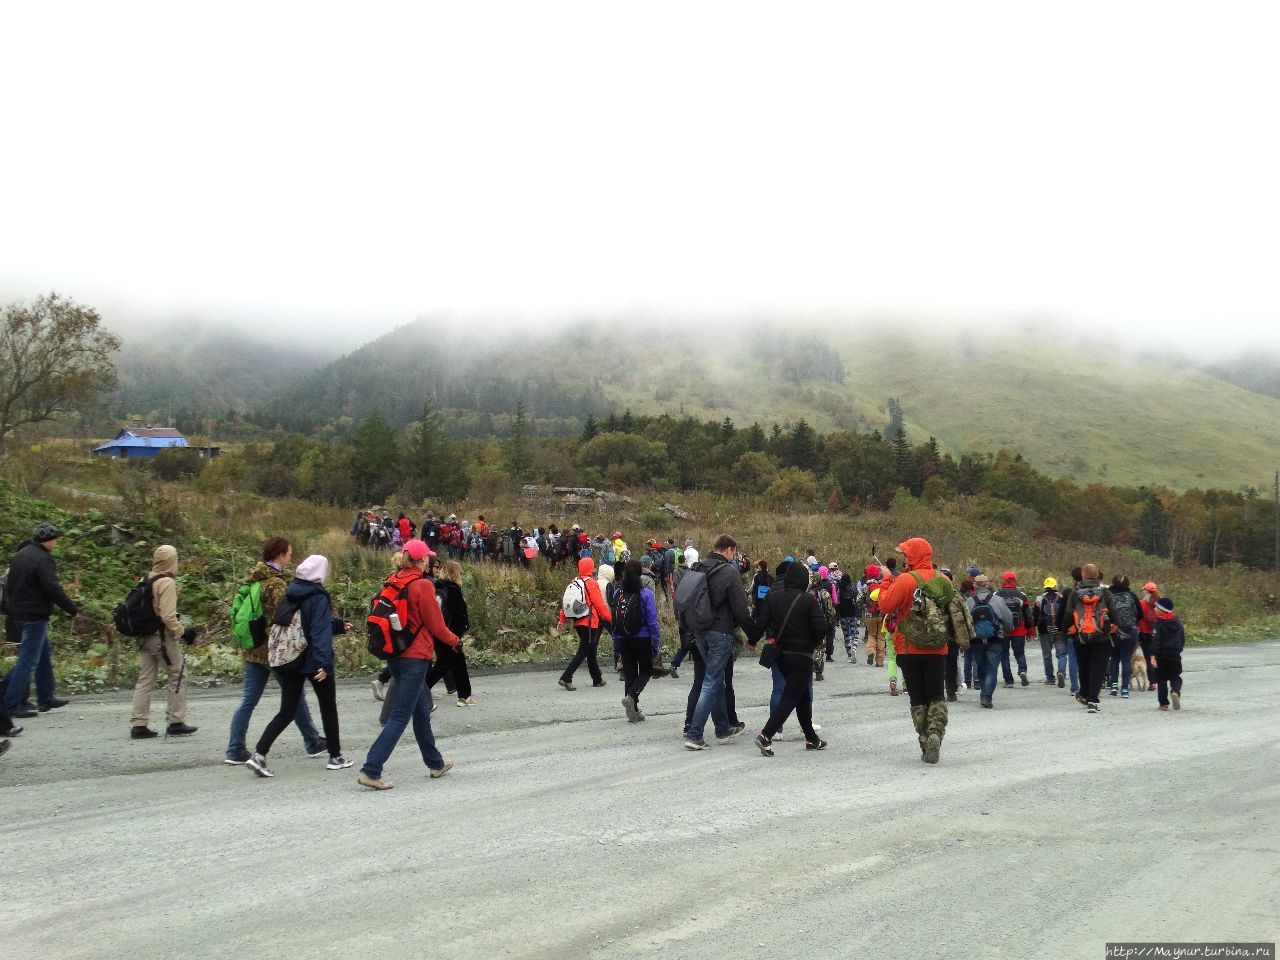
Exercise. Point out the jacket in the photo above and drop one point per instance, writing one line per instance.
(1168, 639)
(319, 624)
(896, 597)
(650, 628)
(996, 603)
(847, 595)
(1107, 602)
(164, 591)
(32, 587)
(806, 630)
(598, 609)
(1017, 603)
(274, 583)
(728, 600)
(425, 618)
(1147, 622)
(454, 607)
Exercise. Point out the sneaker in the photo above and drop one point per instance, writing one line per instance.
(629, 705)
(765, 744)
(1175, 700)
(673, 674)
(1094, 707)
(817, 727)
(1080, 699)
(870, 658)
(4, 747)
(337, 763)
(379, 689)
(53, 704)
(237, 761)
(602, 682)
(698, 744)
(986, 703)
(450, 691)
(831, 659)
(1115, 691)
(1062, 679)
(1049, 681)
(373, 783)
(180, 730)
(780, 735)
(466, 701)
(23, 713)
(1023, 677)
(893, 688)
(1008, 684)
(321, 749)
(819, 744)
(435, 704)
(1124, 693)
(12, 731)
(851, 658)
(732, 732)
(258, 764)
(437, 774)
(566, 684)
(137, 733)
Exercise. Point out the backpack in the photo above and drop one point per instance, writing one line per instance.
(693, 601)
(287, 639)
(1126, 606)
(1090, 622)
(1014, 600)
(1049, 611)
(926, 626)
(865, 589)
(986, 625)
(822, 597)
(630, 616)
(388, 637)
(248, 623)
(574, 603)
(136, 615)
(960, 622)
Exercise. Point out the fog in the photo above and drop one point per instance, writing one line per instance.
(317, 170)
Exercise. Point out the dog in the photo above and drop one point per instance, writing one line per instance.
(1138, 672)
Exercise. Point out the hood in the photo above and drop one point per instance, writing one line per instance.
(919, 553)
(796, 577)
(299, 590)
(586, 567)
(165, 559)
(606, 573)
(315, 569)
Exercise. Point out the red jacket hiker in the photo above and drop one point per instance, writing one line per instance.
(425, 617)
(595, 599)
(897, 596)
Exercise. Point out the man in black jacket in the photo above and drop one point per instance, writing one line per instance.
(797, 620)
(32, 590)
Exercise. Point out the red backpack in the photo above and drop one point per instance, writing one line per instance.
(389, 633)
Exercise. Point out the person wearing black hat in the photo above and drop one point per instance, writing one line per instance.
(32, 591)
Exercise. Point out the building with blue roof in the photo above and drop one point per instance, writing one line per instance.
(145, 442)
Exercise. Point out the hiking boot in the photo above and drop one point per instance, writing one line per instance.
(258, 764)
(1062, 679)
(1163, 706)
(765, 744)
(1049, 681)
(450, 691)
(437, 774)
(1175, 700)
(698, 744)
(180, 730)
(629, 705)
(379, 689)
(53, 704)
(1093, 707)
(566, 684)
(1081, 700)
(893, 688)
(673, 674)
(1023, 677)
(732, 732)
(818, 744)
(986, 703)
(12, 731)
(138, 733)
(338, 762)
(932, 749)
(238, 760)
(321, 749)
(23, 713)
(1008, 684)
(870, 658)
(831, 659)
(373, 783)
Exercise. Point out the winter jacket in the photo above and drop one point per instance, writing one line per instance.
(1168, 638)
(897, 596)
(164, 590)
(761, 579)
(425, 618)
(1147, 624)
(454, 607)
(806, 629)
(274, 583)
(1019, 609)
(997, 604)
(598, 609)
(728, 599)
(650, 629)
(32, 587)
(319, 624)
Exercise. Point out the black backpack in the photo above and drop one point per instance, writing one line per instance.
(630, 613)
(136, 616)
(1126, 609)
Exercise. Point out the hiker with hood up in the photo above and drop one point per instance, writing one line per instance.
(587, 627)
(797, 623)
(923, 669)
(163, 648)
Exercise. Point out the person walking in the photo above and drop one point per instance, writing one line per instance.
(761, 584)
(715, 643)
(1053, 643)
(636, 635)
(847, 608)
(450, 660)
(584, 605)
(1167, 642)
(162, 647)
(873, 619)
(687, 558)
(992, 622)
(269, 574)
(1091, 619)
(32, 590)
(794, 620)
(1020, 611)
(1128, 617)
(307, 599)
(412, 700)
(1147, 623)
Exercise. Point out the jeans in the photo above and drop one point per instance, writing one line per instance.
(291, 683)
(1054, 646)
(970, 665)
(682, 652)
(588, 644)
(796, 669)
(717, 651)
(990, 655)
(1018, 645)
(1121, 654)
(412, 702)
(255, 682)
(35, 656)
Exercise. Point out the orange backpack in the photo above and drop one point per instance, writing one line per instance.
(1090, 622)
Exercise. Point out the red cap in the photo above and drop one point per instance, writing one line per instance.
(1009, 579)
(418, 550)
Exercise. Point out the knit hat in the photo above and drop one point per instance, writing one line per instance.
(972, 571)
(314, 569)
(824, 572)
(1164, 605)
(872, 572)
(418, 550)
(788, 559)
(646, 561)
(45, 532)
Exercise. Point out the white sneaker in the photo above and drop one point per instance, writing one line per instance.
(379, 689)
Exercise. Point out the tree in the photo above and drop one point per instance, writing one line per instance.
(54, 358)
(802, 447)
(518, 445)
(429, 458)
(897, 423)
(376, 457)
(590, 429)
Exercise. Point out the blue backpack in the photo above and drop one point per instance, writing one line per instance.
(986, 625)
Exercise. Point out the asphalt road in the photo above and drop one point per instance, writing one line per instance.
(565, 832)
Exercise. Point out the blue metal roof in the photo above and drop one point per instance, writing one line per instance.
(128, 438)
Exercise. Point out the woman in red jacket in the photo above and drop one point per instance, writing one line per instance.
(412, 701)
(923, 670)
(587, 625)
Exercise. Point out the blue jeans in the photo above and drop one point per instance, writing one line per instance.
(779, 682)
(412, 702)
(1121, 652)
(990, 655)
(35, 656)
(255, 682)
(1054, 646)
(970, 666)
(1073, 665)
(717, 651)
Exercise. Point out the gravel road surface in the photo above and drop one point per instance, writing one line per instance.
(566, 832)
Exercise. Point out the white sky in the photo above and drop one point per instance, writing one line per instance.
(1115, 162)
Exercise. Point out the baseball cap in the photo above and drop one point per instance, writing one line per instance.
(1009, 577)
(1050, 583)
(418, 550)
(1150, 587)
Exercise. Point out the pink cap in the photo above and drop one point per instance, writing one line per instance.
(418, 550)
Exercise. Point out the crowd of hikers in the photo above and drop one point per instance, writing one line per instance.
(933, 632)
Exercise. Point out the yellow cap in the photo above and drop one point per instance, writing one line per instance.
(1050, 583)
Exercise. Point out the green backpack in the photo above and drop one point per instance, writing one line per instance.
(248, 623)
(928, 625)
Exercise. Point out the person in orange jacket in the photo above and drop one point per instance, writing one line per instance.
(923, 670)
(588, 626)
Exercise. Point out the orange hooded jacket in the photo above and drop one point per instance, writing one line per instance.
(595, 599)
(897, 596)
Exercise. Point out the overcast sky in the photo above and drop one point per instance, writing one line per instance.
(1098, 162)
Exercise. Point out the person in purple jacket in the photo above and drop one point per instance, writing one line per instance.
(636, 636)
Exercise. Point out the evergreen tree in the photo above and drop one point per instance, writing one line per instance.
(904, 462)
(376, 457)
(897, 422)
(518, 445)
(428, 459)
(589, 429)
(802, 446)
(727, 430)
(755, 438)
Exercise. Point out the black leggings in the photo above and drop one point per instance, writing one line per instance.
(450, 660)
(797, 668)
(290, 693)
(923, 675)
(588, 643)
(637, 664)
